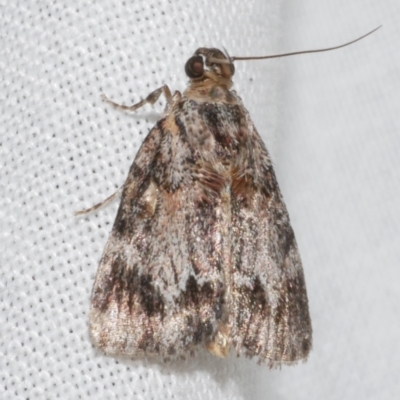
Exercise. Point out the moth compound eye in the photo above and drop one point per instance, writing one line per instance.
(194, 67)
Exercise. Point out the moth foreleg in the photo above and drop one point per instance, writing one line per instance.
(151, 99)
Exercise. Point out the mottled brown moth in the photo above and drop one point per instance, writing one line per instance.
(202, 252)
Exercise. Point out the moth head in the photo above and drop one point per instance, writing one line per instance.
(217, 66)
(209, 63)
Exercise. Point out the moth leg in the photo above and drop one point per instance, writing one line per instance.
(151, 99)
(219, 346)
(108, 200)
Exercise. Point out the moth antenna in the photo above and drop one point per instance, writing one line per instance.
(232, 59)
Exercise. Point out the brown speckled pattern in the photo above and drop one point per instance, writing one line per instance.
(202, 252)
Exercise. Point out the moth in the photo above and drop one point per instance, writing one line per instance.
(202, 253)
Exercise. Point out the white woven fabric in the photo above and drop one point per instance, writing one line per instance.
(62, 149)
